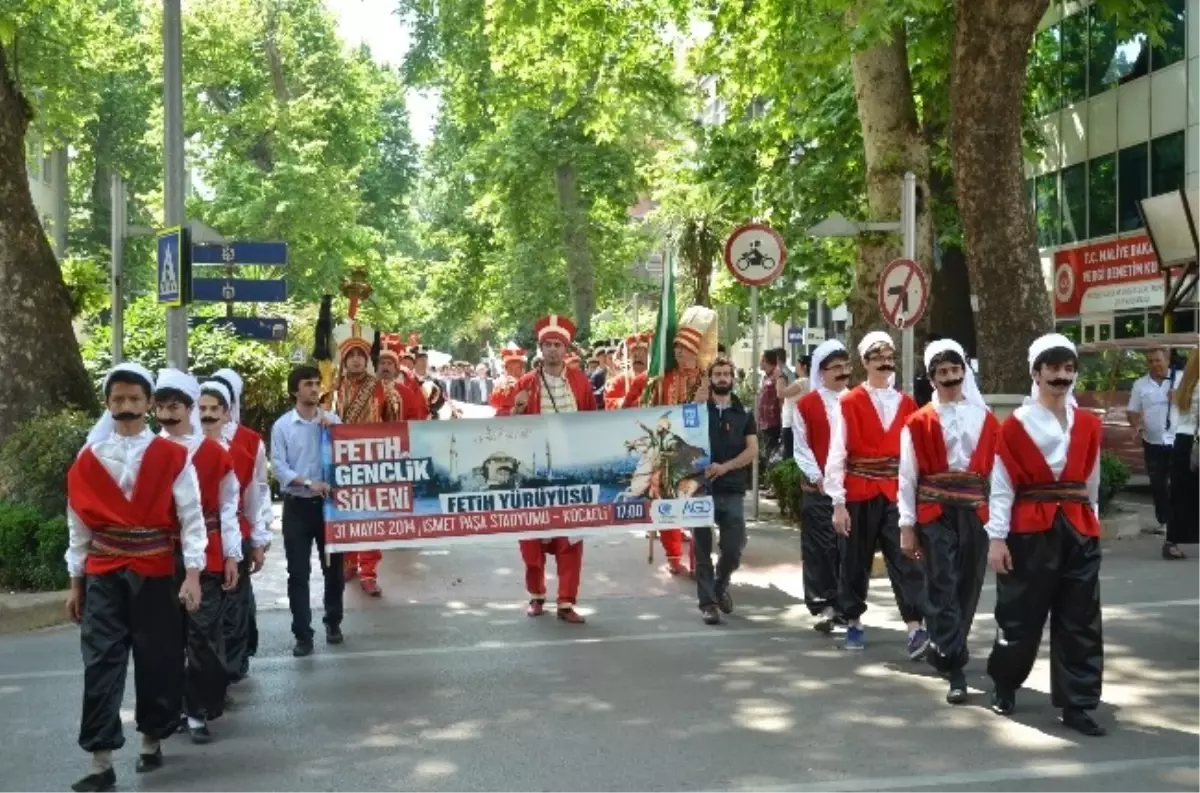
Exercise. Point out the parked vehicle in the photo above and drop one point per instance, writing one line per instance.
(1107, 371)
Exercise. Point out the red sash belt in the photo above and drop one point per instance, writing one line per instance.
(954, 488)
(130, 542)
(1055, 492)
(877, 468)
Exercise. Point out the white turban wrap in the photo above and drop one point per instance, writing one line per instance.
(873, 338)
(104, 427)
(220, 388)
(1051, 341)
(819, 355)
(235, 382)
(182, 381)
(970, 390)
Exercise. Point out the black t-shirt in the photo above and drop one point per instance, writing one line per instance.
(727, 433)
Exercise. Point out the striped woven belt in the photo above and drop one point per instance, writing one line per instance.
(874, 467)
(955, 488)
(1055, 492)
(807, 486)
(113, 541)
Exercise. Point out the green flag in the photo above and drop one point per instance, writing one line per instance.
(662, 353)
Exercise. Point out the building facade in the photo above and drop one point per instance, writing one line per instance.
(47, 171)
(1120, 119)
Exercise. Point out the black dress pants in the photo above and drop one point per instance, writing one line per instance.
(1055, 573)
(1158, 467)
(954, 555)
(303, 525)
(819, 551)
(240, 623)
(205, 679)
(875, 524)
(124, 612)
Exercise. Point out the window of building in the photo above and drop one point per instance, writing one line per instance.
(1184, 321)
(1102, 196)
(1113, 60)
(1071, 328)
(1129, 324)
(1089, 334)
(1046, 203)
(47, 168)
(1074, 203)
(1133, 182)
(1104, 332)
(1045, 71)
(33, 157)
(1074, 34)
(1167, 163)
(1174, 38)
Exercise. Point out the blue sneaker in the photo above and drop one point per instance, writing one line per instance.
(918, 643)
(855, 638)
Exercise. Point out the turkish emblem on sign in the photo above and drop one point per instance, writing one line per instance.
(903, 293)
(755, 254)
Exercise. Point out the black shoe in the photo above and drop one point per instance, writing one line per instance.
(200, 734)
(725, 603)
(1082, 721)
(1004, 702)
(304, 647)
(957, 695)
(105, 780)
(150, 762)
(334, 635)
(710, 616)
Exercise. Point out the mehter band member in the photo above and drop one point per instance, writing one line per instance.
(132, 497)
(512, 356)
(553, 388)
(816, 412)
(255, 512)
(861, 479)
(946, 455)
(176, 406)
(1045, 542)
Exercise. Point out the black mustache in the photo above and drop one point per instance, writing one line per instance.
(168, 422)
(951, 383)
(1061, 383)
(887, 367)
(126, 416)
(208, 420)
(841, 378)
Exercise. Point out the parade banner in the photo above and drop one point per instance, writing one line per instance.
(423, 483)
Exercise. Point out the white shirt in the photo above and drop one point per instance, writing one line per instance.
(887, 405)
(1053, 441)
(227, 498)
(789, 403)
(962, 425)
(122, 457)
(801, 451)
(1185, 424)
(1152, 400)
(256, 498)
(557, 396)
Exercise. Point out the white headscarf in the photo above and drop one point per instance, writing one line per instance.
(220, 388)
(827, 348)
(970, 390)
(1051, 341)
(235, 381)
(873, 338)
(105, 425)
(182, 381)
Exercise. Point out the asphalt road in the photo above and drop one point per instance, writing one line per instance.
(444, 684)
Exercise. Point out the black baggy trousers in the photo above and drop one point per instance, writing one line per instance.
(875, 524)
(819, 551)
(240, 622)
(954, 555)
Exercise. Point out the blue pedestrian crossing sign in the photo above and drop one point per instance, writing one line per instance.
(174, 267)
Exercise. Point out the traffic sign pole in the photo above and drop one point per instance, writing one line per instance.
(173, 186)
(908, 222)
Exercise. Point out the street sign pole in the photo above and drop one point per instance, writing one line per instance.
(908, 222)
(754, 382)
(173, 182)
(117, 248)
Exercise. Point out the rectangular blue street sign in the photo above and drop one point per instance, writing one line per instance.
(795, 335)
(238, 290)
(174, 267)
(262, 328)
(238, 253)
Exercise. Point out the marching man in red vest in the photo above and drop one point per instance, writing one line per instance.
(249, 455)
(816, 412)
(553, 388)
(1044, 544)
(132, 498)
(946, 453)
(176, 406)
(860, 479)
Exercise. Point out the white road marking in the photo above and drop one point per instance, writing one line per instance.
(963, 779)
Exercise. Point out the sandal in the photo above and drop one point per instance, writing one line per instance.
(1170, 551)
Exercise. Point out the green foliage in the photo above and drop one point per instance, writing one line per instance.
(784, 478)
(1114, 474)
(87, 284)
(34, 460)
(31, 548)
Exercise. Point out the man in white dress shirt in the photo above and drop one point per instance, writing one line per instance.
(1044, 531)
(132, 497)
(1149, 413)
(947, 450)
(815, 414)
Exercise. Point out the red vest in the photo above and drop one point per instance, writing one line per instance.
(925, 427)
(867, 437)
(1026, 465)
(101, 505)
(243, 449)
(816, 425)
(577, 381)
(212, 463)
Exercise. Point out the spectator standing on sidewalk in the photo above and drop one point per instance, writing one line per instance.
(769, 414)
(733, 446)
(790, 393)
(1149, 414)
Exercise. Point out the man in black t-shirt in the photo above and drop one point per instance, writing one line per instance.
(733, 443)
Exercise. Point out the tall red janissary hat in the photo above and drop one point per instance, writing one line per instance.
(512, 352)
(554, 327)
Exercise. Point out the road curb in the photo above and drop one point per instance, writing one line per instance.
(27, 611)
